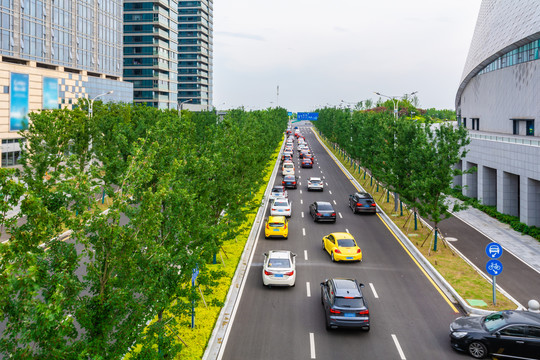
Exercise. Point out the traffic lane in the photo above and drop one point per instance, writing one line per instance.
(471, 243)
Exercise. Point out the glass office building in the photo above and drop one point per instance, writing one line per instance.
(195, 43)
(53, 52)
(151, 51)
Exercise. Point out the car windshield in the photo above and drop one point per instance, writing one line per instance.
(281, 203)
(349, 303)
(494, 321)
(279, 263)
(326, 207)
(346, 243)
(276, 224)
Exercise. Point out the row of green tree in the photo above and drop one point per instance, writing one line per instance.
(416, 160)
(179, 186)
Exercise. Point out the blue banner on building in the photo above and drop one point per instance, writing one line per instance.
(307, 116)
(50, 93)
(18, 106)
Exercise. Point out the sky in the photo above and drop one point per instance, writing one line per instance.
(332, 52)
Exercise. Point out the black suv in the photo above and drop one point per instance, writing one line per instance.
(344, 305)
(289, 181)
(322, 211)
(362, 202)
(505, 334)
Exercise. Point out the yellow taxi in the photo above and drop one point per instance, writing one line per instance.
(276, 226)
(342, 247)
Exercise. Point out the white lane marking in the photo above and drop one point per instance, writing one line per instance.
(312, 345)
(330, 192)
(304, 231)
(301, 201)
(334, 202)
(308, 289)
(300, 184)
(319, 167)
(305, 256)
(300, 192)
(324, 177)
(347, 231)
(302, 214)
(396, 342)
(341, 217)
(373, 290)
(326, 184)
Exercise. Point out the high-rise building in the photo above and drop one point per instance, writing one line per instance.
(151, 51)
(53, 52)
(195, 62)
(498, 101)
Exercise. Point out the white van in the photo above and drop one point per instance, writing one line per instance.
(288, 169)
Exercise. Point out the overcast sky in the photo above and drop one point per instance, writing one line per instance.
(322, 52)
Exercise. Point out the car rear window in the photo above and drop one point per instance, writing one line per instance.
(288, 166)
(276, 224)
(279, 263)
(315, 181)
(346, 243)
(325, 207)
(278, 190)
(281, 203)
(349, 303)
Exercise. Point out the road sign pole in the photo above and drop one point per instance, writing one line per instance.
(494, 293)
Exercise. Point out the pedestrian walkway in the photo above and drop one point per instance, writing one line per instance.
(522, 246)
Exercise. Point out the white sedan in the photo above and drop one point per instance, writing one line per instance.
(315, 183)
(279, 268)
(280, 207)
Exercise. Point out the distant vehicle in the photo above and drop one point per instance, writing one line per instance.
(505, 334)
(276, 226)
(280, 206)
(362, 202)
(279, 268)
(289, 181)
(341, 246)
(315, 183)
(306, 163)
(287, 169)
(322, 211)
(285, 153)
(344, 304)
(278, 191)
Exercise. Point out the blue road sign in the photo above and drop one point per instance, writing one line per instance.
(494, 250)
(307, 116)
(194, 275)
(494, 267)
(289, 113)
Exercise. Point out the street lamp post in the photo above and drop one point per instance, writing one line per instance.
(90, 110)
(180, 107)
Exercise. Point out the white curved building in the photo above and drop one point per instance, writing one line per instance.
(498, 100)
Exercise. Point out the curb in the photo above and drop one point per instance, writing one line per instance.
(426, 265)
(221, 330)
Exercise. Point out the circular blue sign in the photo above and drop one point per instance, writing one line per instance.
(494, 250)
(494, 267)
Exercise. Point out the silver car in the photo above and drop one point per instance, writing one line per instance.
(315, 183)
(279, 268)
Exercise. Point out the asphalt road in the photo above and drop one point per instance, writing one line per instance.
(409, 316)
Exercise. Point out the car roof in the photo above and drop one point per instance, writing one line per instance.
(342, 235)
(279, 254)
(315, 178)
(290, 176)
(323, 203)
(280, 187)
(522, 317)
(276, 219)
(346, 287)
(281, 199)
(363, 195)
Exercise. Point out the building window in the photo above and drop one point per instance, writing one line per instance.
(515, 127)
(475, 124)
(10, 158)
(465, 122)
(530, 127)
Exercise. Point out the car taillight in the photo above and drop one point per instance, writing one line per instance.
(363, 312)
(266, 272)
(373, 204)
(285, 226)
(273, 209)
(337, 251)
(358, 204)
(283, 183)
(290, 273)
(358, 251)
(294, 182)
(319, 214)
(334, 311)
(287, 209)
(268, 226)
(333, 214)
